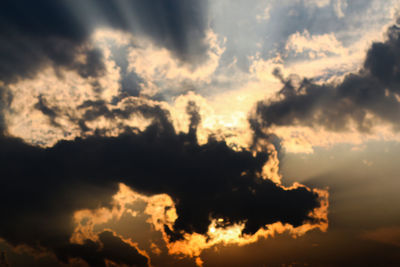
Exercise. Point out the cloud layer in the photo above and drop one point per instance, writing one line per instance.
(42, 187)
(44, 32)
(362, 99)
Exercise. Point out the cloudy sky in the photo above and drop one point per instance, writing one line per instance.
(199, 133)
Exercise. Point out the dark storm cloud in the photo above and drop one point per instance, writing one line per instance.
(3, 259)
(39, 33)
(3, 96)
(112, 248)
(47, 32)
(41, 188)
(373, 90)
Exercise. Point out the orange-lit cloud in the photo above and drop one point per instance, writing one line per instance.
(161, 212)
(142, 97)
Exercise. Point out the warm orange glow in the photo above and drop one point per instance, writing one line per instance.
(193, 244)
(157, 208)
(162, 212)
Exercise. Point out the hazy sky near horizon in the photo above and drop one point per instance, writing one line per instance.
(200, 133)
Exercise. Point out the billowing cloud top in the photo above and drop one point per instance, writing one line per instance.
(156, 110)
(362, 98)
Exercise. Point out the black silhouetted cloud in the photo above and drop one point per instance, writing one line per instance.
(42, 187)
(110, 248)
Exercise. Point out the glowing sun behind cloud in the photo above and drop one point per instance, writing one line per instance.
(161, 212)
(163, 132)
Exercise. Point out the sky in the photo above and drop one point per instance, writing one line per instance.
(199, 133)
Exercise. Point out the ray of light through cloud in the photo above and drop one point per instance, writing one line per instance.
(199, 133)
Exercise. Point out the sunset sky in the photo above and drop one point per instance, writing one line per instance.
(200, 133)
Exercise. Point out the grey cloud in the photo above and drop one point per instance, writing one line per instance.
(55, 33)
(374, 90)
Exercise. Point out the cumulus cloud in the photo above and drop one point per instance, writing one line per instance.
(43, 187)
(42, 33)
(59, 69)
(362, 99)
